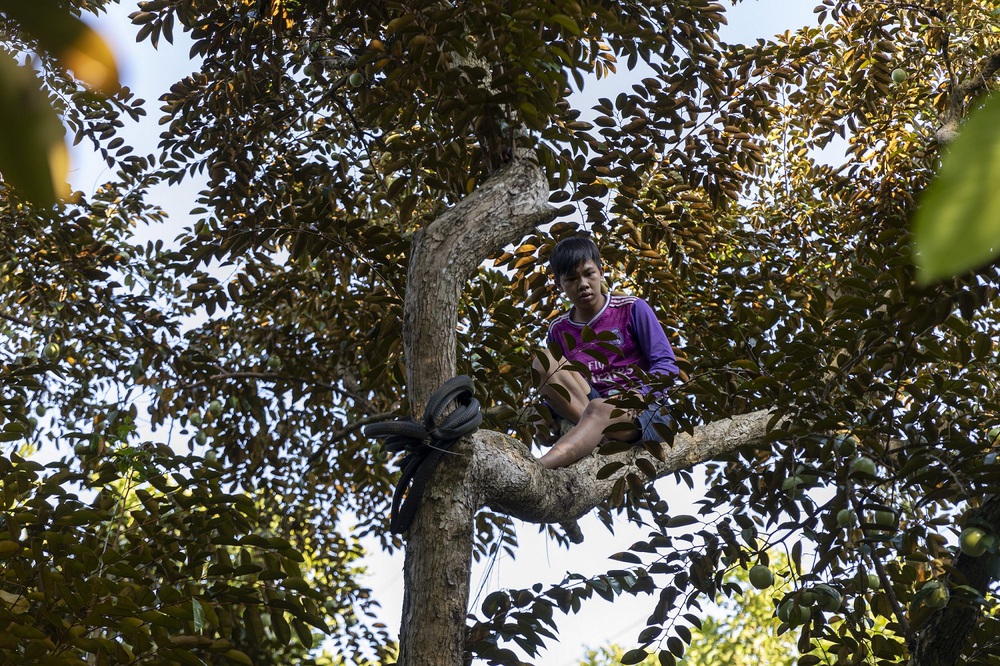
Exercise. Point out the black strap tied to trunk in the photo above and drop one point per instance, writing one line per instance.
(426, 443)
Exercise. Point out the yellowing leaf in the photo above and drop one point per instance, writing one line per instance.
(957, 226)
(64, 35)
(92, 61)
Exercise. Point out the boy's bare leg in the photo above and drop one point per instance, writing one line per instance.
(587, 434)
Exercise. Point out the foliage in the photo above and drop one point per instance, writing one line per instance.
(161, 567)
(606, 656)
(85, 314)
(330, 134)
(747, 631)
(741, 631)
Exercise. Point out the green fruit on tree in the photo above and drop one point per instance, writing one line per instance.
(898, 75)
(356, 80)
(50, 351)
(215, 408)
(194, 418)
(846, 518)
(201, 438)
(32, 423)
(934, 594)
(211, 457)
(798, 615)
(863, 466)
(761, 577)
(885, 518)
(847, 444)
(792, 483)
(828, 598)
(873, 581)
(39, 410)
(785, 610)
(973, 542)
(273, 363)
(807, 598)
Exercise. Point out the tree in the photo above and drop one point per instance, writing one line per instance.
(345, 143)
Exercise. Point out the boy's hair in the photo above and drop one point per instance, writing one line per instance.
(570, 252)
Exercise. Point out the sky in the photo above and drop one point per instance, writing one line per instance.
(150, 72)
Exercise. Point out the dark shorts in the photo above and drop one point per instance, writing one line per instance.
(651, 421)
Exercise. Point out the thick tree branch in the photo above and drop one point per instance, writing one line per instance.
(974, 85)
(507, 207)
(15, 320)
(510, 480)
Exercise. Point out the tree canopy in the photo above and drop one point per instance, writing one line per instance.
(384, 181)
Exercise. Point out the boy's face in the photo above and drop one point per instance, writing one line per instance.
(583, 288)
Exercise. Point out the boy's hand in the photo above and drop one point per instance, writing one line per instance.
(545, 427)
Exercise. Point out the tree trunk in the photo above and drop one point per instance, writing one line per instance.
(437, 568)
(438, 561)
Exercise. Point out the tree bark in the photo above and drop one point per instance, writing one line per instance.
(512, 482)
(448, 252)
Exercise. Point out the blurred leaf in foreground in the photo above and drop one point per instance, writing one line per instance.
(33, 154)
(957, 226)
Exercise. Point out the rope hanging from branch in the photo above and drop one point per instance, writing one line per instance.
(426, 443)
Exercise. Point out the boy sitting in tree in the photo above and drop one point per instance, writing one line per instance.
(586, 400)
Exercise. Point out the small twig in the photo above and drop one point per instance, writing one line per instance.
(360, 423)
(16, 320)
(350, 428)
(258, 375)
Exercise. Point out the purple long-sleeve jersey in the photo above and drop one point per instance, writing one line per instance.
(636, 333)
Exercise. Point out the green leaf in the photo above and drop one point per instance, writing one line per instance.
(634, 656)
(957, 226)
(238, 657)
(568, 23)
(282, 632)
(609, 469)
(197, 616)
(304, 633)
